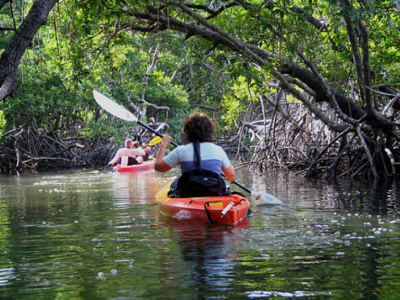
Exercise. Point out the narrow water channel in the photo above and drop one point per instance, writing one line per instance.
(84, 235)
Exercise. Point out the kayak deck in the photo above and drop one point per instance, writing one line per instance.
(146, 165)
(215, 209)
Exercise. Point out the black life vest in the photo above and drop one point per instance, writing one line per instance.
(198, 182)
(132, 161)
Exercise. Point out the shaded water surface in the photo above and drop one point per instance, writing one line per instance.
(83, 235)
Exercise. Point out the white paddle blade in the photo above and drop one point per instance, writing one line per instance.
(266, 198)
(113, 108)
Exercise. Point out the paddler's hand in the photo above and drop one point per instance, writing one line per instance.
(160, 165)
(166, 140)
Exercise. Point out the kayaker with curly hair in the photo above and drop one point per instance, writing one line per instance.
(201, 161)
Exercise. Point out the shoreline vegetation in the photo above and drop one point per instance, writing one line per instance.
(290, 141)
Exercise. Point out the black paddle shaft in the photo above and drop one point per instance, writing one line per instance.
(238, 184)
(155, 132)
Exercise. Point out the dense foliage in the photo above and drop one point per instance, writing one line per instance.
(165, 59)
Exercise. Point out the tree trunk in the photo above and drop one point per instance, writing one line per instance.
(11, 56)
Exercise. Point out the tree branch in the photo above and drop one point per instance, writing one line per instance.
(351, 33)
(334, 126)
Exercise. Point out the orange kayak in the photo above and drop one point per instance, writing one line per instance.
(146, 165)
(229, 209)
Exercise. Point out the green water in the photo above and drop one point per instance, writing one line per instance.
(82, 235)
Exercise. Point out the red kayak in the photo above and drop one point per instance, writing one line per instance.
(146, 165)
(229, 209)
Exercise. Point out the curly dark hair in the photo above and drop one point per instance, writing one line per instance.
(198, 127)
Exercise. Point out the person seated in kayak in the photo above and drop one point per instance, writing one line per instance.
(127, 155)
(141, 158)
(201, 161)
(147, 150)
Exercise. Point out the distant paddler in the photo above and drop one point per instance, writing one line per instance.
(128, 155)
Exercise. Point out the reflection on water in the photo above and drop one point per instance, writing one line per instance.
(79, 235)
(209, 252)
(341, 195)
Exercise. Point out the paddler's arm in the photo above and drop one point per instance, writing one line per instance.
(138, 151)
(229, 173)
(115, 158)
(145, 148)
(160, 165)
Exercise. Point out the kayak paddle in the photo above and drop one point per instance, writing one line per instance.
(155, 141)
(101, 169)
(263, 196)
(122, 113)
